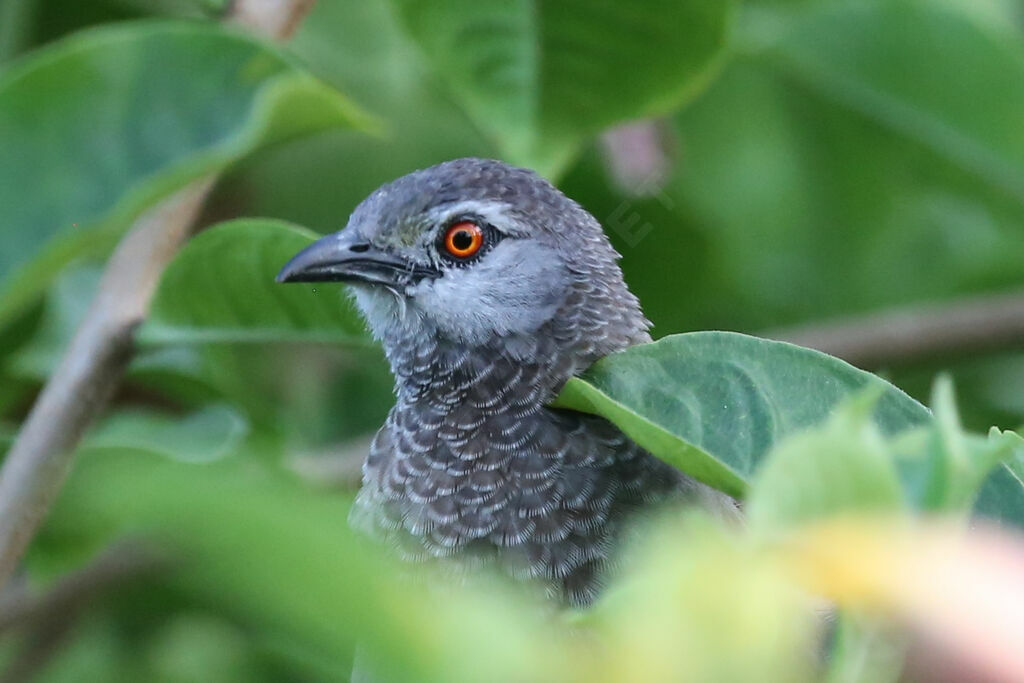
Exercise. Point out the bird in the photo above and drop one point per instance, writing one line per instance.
(488, 289)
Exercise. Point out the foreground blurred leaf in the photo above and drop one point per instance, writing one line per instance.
(960, 592)
(865, 650)
(842, 467)
(696, 602)
(714, 403)
(101, 125)
(279, 556)
(541, 75)
(270, 554)
(221, 288)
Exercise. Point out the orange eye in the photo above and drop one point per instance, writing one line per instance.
(464, 239)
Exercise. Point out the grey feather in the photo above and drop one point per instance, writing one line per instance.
(471, 464)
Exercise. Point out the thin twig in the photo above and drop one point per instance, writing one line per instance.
(910, 335)
(89, 372)
(38, 461)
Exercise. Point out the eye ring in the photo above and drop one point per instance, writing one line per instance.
(464, 239)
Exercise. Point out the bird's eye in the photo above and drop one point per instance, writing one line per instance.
(464, 239)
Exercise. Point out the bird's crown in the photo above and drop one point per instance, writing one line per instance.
(474, 251)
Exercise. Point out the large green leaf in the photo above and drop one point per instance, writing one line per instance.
(221, 288)
(101, 125)
(259, 546)
(967, 89)
(539, 75)
(714, 403)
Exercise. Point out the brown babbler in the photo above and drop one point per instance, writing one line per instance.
(489, 289)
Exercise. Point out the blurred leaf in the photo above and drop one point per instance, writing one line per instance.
(714, 403)
(958, 589)
(281, 557)
(205, 435)
(866, 651)
(220, 288)
(841, 467)
(67, 302)
(859, 215)
(100, 126)
(697, 602)
(1002, 495)
(15, 25)
(7, 433)
(942, 467)
(541, 76)
(957, 85)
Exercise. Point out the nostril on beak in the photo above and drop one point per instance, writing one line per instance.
(360, 247)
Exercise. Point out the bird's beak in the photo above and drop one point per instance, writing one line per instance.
(345, 257)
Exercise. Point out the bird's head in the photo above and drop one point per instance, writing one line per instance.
(472, 251)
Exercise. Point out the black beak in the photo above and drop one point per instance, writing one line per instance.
(345, 257)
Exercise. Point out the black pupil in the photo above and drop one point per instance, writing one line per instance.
(462, 240)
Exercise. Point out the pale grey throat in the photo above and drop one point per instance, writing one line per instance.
(471, 464)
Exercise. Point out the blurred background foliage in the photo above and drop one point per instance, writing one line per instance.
(795, 161)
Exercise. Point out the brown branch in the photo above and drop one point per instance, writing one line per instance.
(101, 349)
(909, 335)
(89, 372)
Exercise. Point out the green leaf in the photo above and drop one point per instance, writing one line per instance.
(67, 302)
(540, 76)
(963, 99)
(262, 548)
(7, 434)
(105, 123)
(221, 288)
(942, 466)
(840, 467)
(1002, 495)
(210, 433)
(714, 403)
(866, 650)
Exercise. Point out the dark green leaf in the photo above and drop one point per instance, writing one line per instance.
(540, 76)
(220, 288)
(101, 125)
(714, 403)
